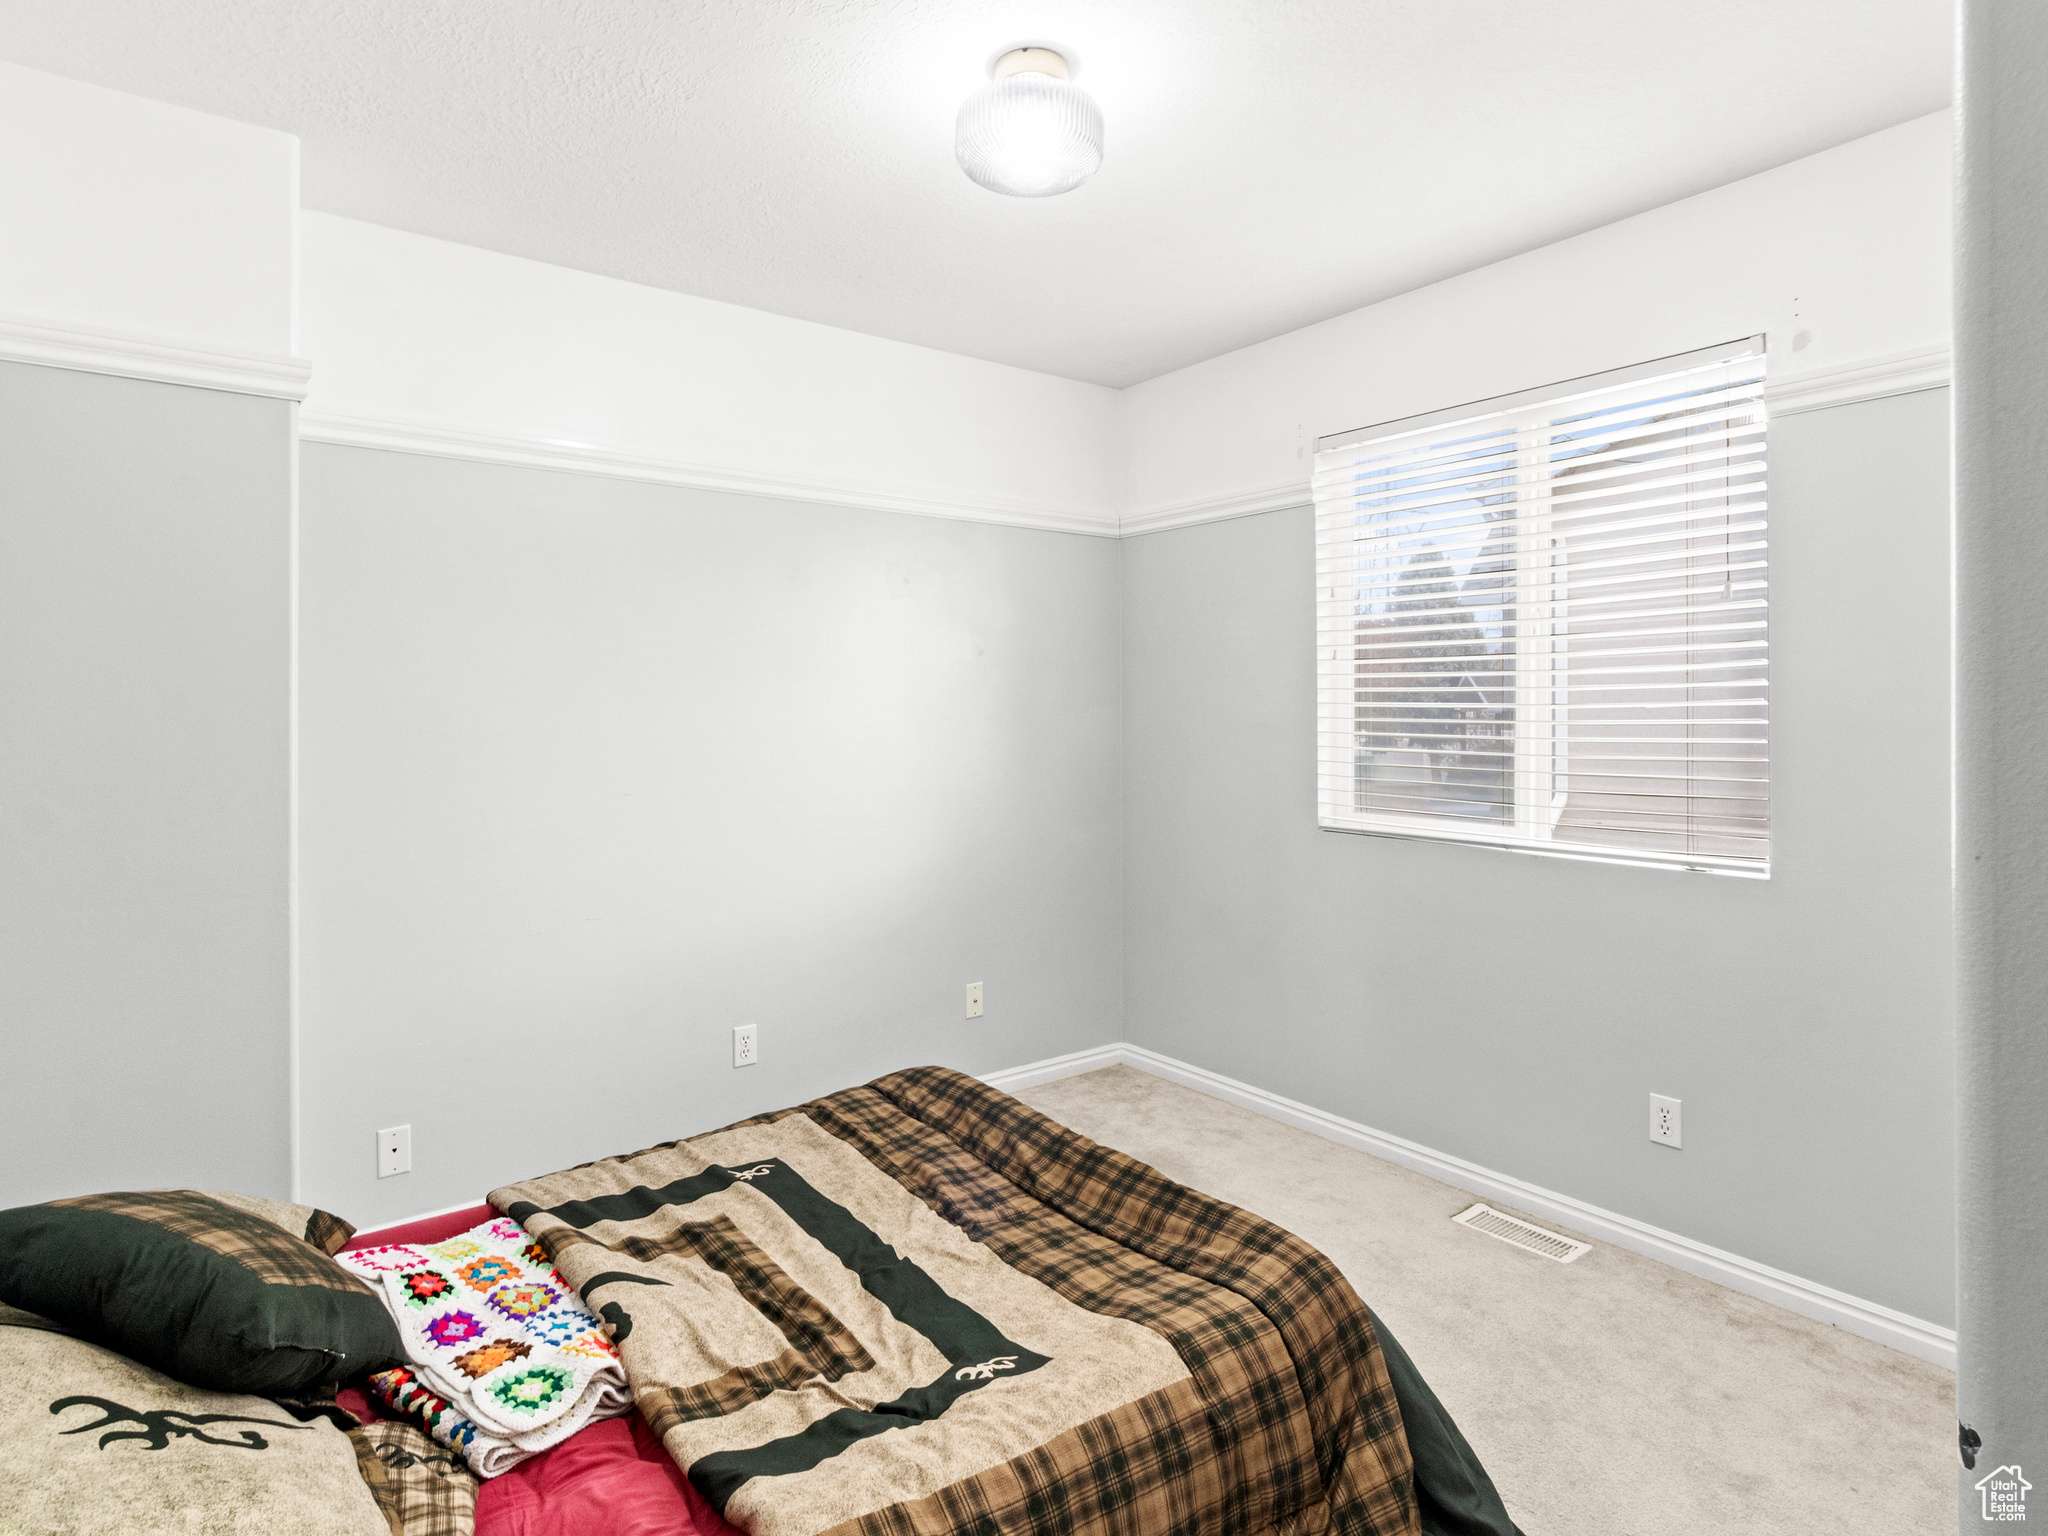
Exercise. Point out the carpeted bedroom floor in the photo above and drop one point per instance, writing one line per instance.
(1614, 1396)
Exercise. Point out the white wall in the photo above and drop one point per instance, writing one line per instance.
(133, 216)
(145, 644)
(597, 764)
(1841, 258)
(2002, 741)
(1516, 1011)
(496, 651)
(593, 770)
(419, 342)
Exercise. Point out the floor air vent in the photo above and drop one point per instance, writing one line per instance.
(1511, 1229)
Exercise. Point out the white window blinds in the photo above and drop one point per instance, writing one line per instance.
(1542, 621)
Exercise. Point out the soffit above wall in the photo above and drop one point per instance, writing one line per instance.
(1269, 166)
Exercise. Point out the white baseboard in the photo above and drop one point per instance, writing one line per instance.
(1070, 1065)
(1871, 1320)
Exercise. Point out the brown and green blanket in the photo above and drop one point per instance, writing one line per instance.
(919, 1307)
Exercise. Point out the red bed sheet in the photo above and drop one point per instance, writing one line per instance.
(611, 1478)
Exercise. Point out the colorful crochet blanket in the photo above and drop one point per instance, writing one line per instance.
(504, 1360)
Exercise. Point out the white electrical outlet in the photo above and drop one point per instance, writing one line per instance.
(746, 1045)
(394, 1151)
(1664, 1121)
(974, 999)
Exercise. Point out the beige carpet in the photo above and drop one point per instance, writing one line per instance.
(1613, 1396)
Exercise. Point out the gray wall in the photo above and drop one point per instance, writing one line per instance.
(145, 673)
(595, 770)
(1518, 1011)
(2002, 740)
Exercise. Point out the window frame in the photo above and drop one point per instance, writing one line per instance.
(1535, 794)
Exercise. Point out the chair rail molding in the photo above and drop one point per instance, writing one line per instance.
(1217, 509)
(535, 452)
(1870, 1319)
(1900, 373)
(1786, 394)
(155, 359)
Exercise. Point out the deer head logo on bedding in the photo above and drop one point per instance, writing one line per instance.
(987, 1369)
(161, 1425)
(751, 1174)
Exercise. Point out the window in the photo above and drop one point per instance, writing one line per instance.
(1542, 621)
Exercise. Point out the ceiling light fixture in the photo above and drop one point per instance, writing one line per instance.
(1030, 132)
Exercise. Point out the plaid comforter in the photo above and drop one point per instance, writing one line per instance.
(919, 1307)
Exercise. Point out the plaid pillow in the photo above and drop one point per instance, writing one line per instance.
(325, 1231)
(197, 1288)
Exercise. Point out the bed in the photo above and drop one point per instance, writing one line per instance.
(920, 1307)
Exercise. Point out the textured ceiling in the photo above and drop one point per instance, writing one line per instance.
(1269, 164)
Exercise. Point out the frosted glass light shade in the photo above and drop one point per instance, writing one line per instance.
(1029, 135)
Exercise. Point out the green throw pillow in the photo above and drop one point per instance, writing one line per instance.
(214, 1296)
